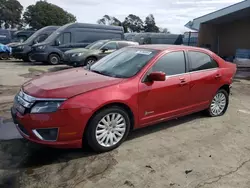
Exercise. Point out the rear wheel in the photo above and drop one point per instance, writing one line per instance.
(108, 129)
(219, 104)
(54, 59)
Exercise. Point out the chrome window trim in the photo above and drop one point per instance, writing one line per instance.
(191, 72)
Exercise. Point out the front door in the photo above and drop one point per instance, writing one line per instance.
(165, 99)
(108, 49)
(65, 42)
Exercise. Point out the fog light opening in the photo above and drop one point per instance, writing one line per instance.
(49, 134)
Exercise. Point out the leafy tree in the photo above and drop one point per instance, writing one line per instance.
(10, 13)
(150, 25)
(109, 20)
(164, 30)
(43, 14)
(133, 23)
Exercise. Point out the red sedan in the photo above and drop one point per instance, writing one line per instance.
(131, 88)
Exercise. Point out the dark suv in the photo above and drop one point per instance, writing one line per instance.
(93, 52)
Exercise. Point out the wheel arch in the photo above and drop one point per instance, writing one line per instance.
(226, 87)
(118, 104)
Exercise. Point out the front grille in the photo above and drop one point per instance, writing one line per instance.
(21, 128)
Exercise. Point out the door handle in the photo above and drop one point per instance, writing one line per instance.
(183, 82)
(217, 76)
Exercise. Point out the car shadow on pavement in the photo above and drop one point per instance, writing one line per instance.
(164, 125)
(21, 154)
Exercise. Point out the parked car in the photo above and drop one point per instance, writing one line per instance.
(131, 88)
(5, 51)
(5, 36)
(23, 50)
(93, 52)
(70, 36)
(154, 38)
(21, 35)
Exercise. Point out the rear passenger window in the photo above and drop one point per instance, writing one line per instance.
(172, 63)
(201, 61)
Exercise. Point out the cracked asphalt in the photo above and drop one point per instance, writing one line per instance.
(191, 152)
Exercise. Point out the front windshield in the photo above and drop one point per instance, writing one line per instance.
(124, 63)
(96, 45)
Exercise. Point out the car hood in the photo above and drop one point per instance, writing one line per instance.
(82, 50)
(13, 44)
(67, 83)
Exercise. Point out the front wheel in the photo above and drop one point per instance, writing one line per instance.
(54, 59)
(219, 104)
(108, 129)
(90, 61)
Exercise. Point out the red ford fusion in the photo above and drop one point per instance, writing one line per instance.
(131, 88)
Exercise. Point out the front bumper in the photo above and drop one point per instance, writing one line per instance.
(74, 61)
(70, 123)
(40, 56)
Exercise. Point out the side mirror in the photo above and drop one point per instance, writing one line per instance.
(157, 76)
(104, 50)
(57, 42)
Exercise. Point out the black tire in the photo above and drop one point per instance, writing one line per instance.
(29, 59)
(54, 59)
(209, 110)
(90, 61)
(4, 56)
(92, 127)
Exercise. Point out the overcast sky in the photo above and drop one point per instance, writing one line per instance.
(172, 14)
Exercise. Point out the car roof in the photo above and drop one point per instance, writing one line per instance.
(163, 47)
(118, 40)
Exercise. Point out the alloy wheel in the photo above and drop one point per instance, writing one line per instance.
(110, 129)
(218, 104)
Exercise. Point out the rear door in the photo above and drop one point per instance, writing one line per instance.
(205, 78)
(165, 99)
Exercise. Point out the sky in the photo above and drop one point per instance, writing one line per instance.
(171, 14)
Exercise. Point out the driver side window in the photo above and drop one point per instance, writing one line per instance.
(110, 46)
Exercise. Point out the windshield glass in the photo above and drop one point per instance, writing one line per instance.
(124, 63)
(96, 45)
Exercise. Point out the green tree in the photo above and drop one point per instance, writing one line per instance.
(10, 13)
(109, 20)
(133, 23)
(150, 25)
(43, 14)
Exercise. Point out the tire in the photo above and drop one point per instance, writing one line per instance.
(90, 61)
(107, 133)
(222, 96)
(4, 56)
(54, 59)
(29, 59)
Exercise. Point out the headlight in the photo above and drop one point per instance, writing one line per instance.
(20, 47)
(41, 47)
(77, 54)
(46, 107)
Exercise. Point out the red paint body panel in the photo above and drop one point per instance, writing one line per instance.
(67, 83)
(87, 92)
